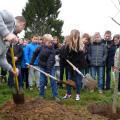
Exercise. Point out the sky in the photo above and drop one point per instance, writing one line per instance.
(88, 16)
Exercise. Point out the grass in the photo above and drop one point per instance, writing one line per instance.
(86, 97)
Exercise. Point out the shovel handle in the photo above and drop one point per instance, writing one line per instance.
(68, 83)
(46, 74)
(14, 66)
(75, 68)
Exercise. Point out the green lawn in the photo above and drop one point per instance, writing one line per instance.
(86, 97)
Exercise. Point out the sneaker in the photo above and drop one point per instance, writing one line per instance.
(67, 96)
(57, 99)
(100, 91)
(77, 97)
(45, 87)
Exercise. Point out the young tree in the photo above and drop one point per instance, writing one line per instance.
(42, 17)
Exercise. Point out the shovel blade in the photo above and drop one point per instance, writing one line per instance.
(90, 83)
(18, 98)
(71, 83)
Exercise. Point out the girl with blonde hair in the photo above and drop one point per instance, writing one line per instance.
(74, 52)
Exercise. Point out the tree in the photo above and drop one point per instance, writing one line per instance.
(42, 17)
(118, 11)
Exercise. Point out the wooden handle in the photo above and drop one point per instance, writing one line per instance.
(14, 67)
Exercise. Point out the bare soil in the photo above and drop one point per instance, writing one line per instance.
(38, 109)
(104, 110)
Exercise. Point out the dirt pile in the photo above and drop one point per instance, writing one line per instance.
(39, 110)
(42, 110)
(104, 110)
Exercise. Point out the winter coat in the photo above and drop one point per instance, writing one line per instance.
(23, 62)
(46, 57)
(111, 54)
(7, 25)
(18, 52)
(76, 58)
(29, 50)
(97, 54)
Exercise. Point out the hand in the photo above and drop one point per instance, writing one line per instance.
(16, 58)
(114, 68)
(16, 72)
(11, 38)
(46, 75)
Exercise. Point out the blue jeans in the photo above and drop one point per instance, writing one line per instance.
(73, 75)
(11, 78)
(43, 80)
(99, 70)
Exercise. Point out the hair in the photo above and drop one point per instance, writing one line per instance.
(66, 40)
(108, 32)
(94, 39)
(47, 37)
(40, 37)
(86, 35)
(116, 36)
(20, 19)
(74, 42)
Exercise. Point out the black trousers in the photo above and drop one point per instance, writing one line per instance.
(24, 73)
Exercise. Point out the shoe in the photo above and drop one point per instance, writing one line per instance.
(45, 87)
(67, 96)
(100, 91)
(77, 97)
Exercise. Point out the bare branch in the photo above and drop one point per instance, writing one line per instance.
(115, 21)
(119, 2)
(115, 5)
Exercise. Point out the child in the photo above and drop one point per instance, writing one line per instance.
(57, 46)
(97, 54)
(74, 52)
(29, 50)
(46, 64)
(108, 42)
(110, 59)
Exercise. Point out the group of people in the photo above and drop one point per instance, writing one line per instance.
(90, 54)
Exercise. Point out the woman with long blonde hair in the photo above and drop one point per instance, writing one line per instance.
(74, 52)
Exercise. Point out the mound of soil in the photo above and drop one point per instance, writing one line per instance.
(104, 110)
(37, 109)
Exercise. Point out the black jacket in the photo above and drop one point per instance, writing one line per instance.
(18, 52)
(77, 58)
(46, 56)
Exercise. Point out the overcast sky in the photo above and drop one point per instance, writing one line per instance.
(86, 15)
